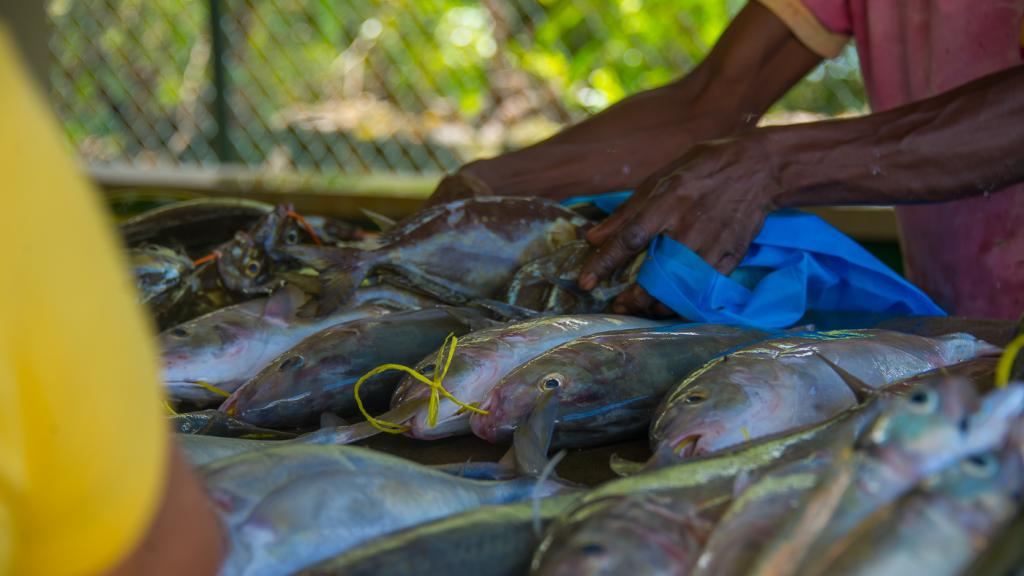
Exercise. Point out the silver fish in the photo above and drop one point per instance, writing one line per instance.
(227, 347)
(318, 374)
(608, 384)
(288, 508)
(783, 383)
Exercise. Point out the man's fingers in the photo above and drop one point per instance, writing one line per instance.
(634, 300)
(627, 242)
(599, 234)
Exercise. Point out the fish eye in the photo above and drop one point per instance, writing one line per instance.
(252, 268)
(236, 251)
(551, 382)
(428, 370)
(291, 363)
(923, 401)
(981, 465)
(179, 332)
(291, 237)
(592, 549)
(695, 397)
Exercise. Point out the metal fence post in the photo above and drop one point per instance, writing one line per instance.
(221, 110)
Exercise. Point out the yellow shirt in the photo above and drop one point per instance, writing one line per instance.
(83, 444)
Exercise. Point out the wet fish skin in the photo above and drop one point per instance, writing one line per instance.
(992, 330)
(753, 516)
(929, 428)
(216, 423)
(608, 384)
(638, 534)
(492, 540)
(482, 358)
(228, 346)
(783, 383)
(942, 526)
(288, 508)
(548, 284)
(459, 251)
(318, 374)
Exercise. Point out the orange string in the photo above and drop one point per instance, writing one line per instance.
(208, 258)
(302, 221)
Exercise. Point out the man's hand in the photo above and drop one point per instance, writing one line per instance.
(714, 199)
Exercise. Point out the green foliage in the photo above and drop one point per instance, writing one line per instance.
(132, 79)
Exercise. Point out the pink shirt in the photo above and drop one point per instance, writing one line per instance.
(969, 254)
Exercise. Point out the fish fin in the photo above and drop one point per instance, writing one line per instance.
(861, 389)
(469, 317)
(623, 467)
(745, 479)
(532, 440)
(308, 283)
(284, 303)
(478, 470)
(336, 288)
(331, 420)
(338, 434)
(504, 310)
(379, 220)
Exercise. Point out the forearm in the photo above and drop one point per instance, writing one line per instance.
(751, 66)
(961, 143)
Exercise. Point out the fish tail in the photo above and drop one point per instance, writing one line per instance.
(342, 270)
(338, 434)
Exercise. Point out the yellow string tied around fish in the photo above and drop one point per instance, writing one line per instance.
(1006, 361)
(170, 411)
(437, 389)
(211, 388)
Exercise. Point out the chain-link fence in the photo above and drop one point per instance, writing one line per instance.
(365, 86)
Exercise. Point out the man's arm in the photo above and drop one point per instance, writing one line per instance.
(961, 143)
(755, 61)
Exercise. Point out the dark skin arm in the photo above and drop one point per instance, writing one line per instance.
(185, 536)
(714, 198)
(754, 62)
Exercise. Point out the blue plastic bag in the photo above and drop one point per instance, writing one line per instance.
(797, 266)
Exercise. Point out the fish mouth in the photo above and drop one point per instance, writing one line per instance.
(687, 447)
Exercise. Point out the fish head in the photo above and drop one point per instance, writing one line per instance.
(636, 534)
(576, 373)
(992, 480)
(929, 417)
(207, 349)
(722, 405)
(158, 269)
(243, 265)
(282, 386)
(471, 374)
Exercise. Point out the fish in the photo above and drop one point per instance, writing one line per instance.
(218, 424)
(289, 507)
(752, 516)
(464, 250)
(609, 383)
(639, 534)
(548, 283)
(930, 428)
(227, 347)
(482, 358)
(782, 383)
(940, 527)
(493, 540)
(198, 225)
(318, 374)
(995, 331)
(157, 270)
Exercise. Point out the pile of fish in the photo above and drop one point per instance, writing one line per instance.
(287, 338)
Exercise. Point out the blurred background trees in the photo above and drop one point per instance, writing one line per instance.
(369, 87)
